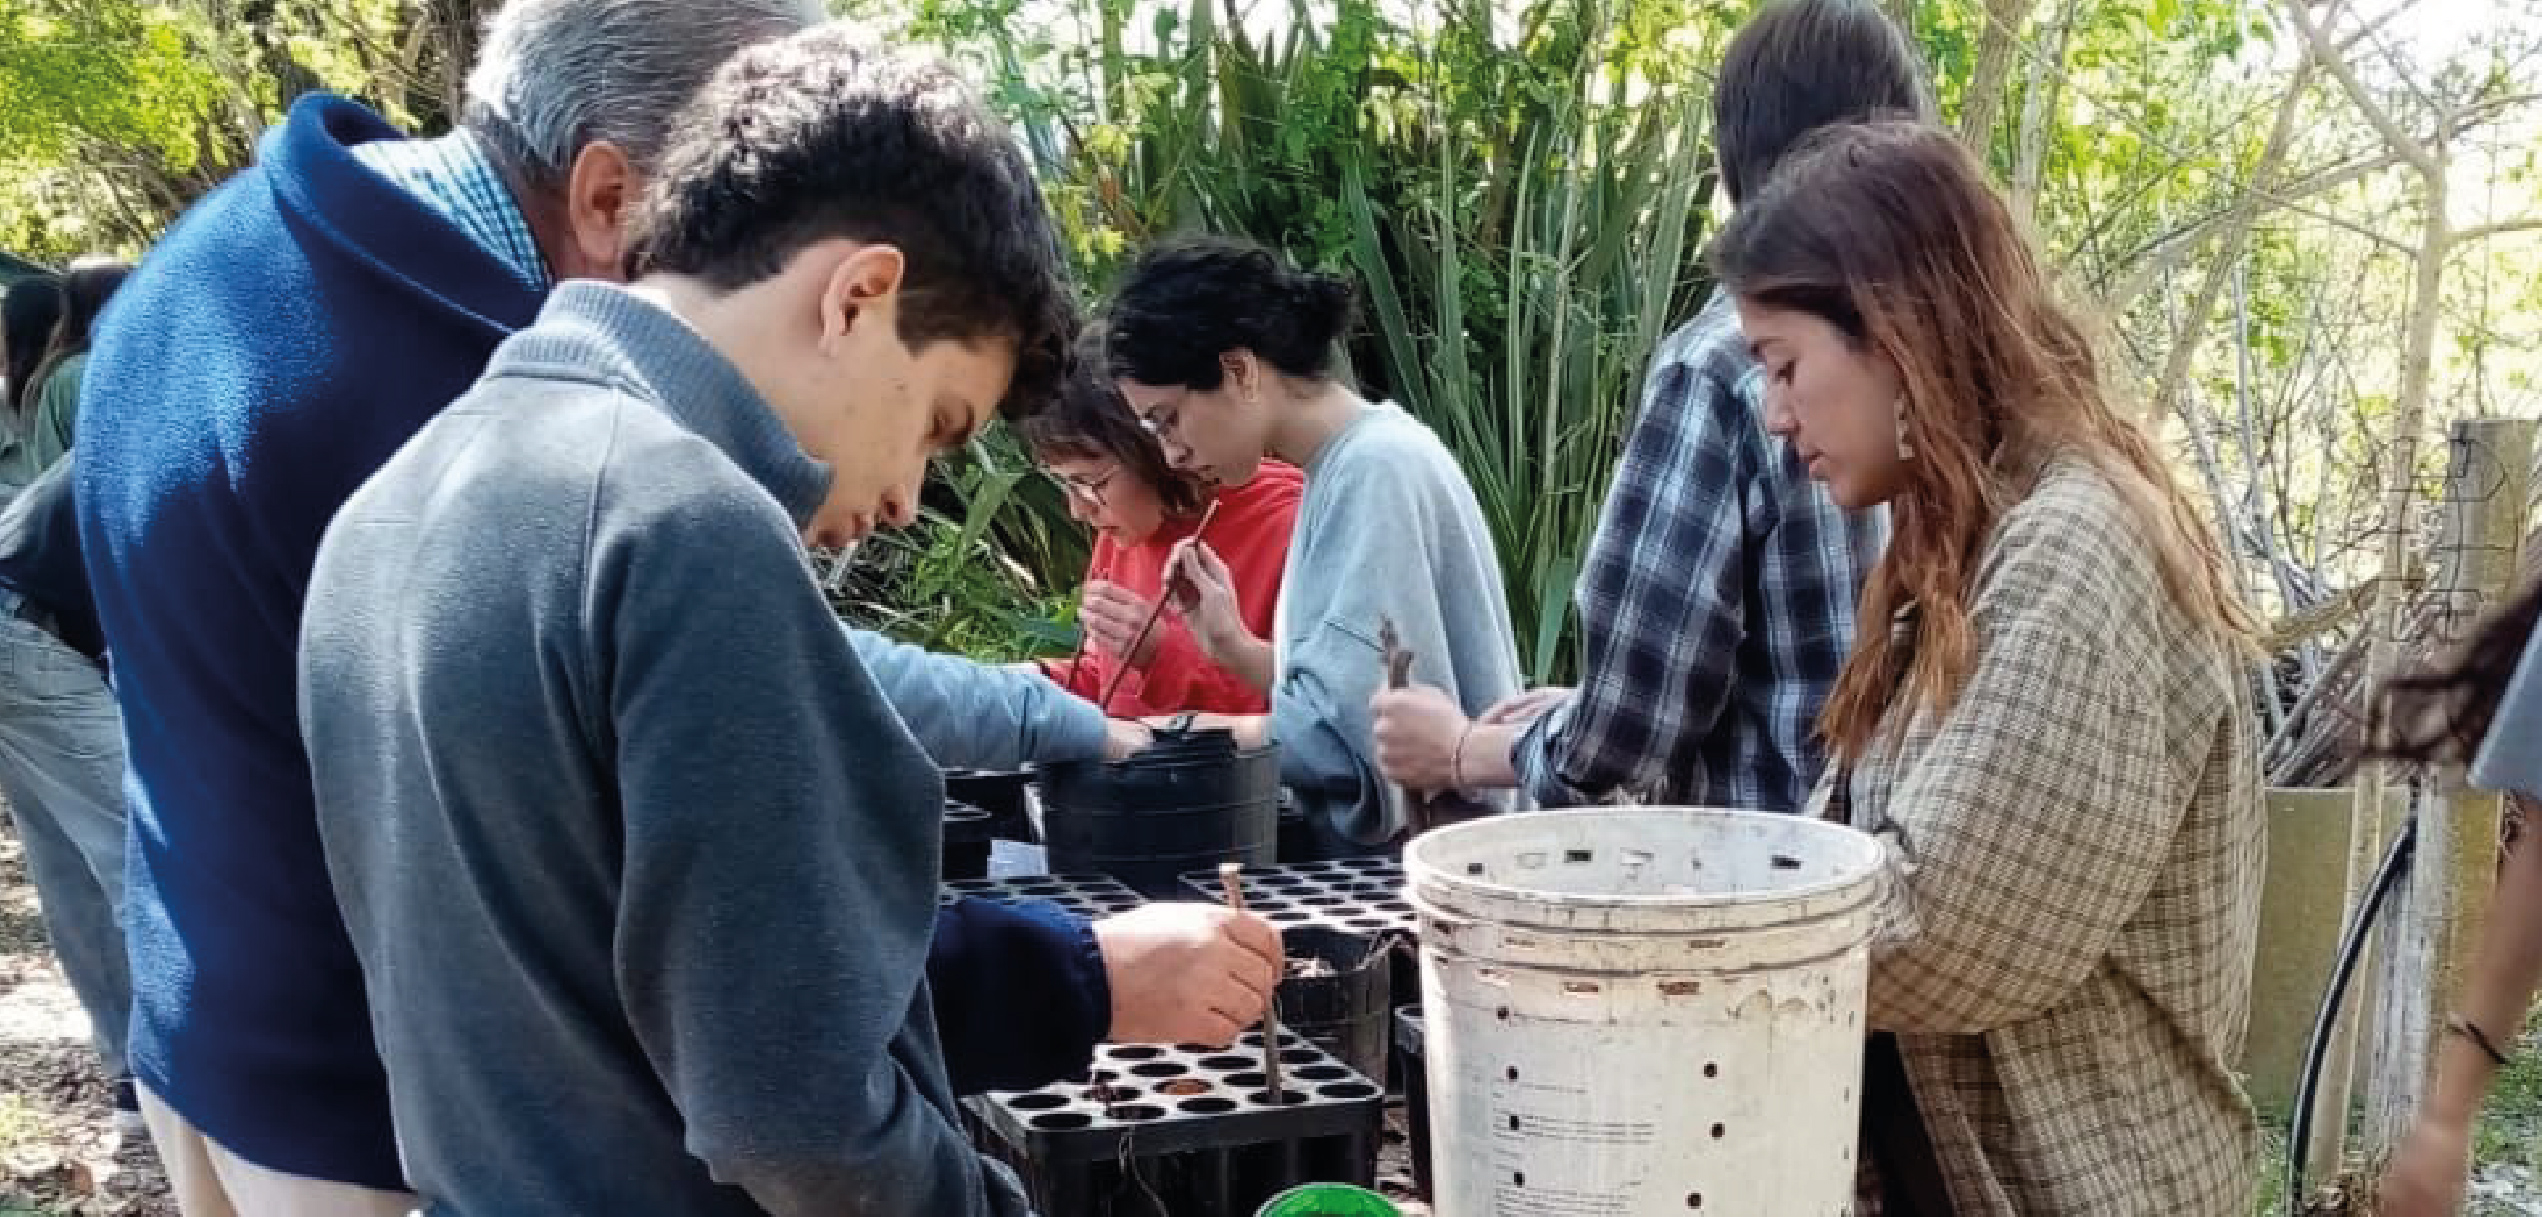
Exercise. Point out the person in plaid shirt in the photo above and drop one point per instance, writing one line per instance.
(1717, 601)
(2054, 739)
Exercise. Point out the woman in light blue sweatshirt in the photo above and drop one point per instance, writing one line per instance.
(2483, 704)
(1227, 355)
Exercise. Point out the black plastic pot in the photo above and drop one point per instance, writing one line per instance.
(966, 842)
(1344, 1009)
(1189, 802)
(999, 794)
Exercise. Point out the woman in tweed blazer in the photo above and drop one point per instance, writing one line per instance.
(2046, 717)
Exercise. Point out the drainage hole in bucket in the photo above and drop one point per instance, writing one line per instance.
(1711, 1070)
(1321, 1073)
(1037, 1101)
(1160, 1069)
(1502, 1014)
(1513, 1124)
(1286, 1098)
(1473, 868)
(1208, 1107)
(1577, 856)
(1348, 1090)
(1719, 1131)
(1786, 862)
(1694, 1200)
(1061, 1121)
(1518, 1178)
(1513, 1073)
(1228, 1062)
(1133, 1113)
(1134, 1052)
(1582, 988)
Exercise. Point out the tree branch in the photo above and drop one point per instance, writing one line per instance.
(2502, 228)
(2403, 144)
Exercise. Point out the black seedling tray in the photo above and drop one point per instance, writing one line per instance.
(1360, 895)
(1088, 896)
(1156, 1130)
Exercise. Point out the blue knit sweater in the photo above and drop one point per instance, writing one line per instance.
(288, 335)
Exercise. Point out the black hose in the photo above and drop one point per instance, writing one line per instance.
(2299, 1136)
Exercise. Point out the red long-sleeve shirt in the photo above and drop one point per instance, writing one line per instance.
(1250, 534)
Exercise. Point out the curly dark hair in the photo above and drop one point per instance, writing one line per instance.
(831, 134)
(1091, 422)
(2442, 711)
(1186, 303)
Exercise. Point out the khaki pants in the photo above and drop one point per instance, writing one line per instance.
(212, 1182)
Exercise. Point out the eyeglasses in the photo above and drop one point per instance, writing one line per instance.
(1091, 490)
(1162, 416)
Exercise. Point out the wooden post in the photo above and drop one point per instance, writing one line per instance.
(2439, 905)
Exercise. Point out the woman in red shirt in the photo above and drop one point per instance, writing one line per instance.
(1118, 482)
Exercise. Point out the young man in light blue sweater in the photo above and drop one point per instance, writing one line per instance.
(627, 838)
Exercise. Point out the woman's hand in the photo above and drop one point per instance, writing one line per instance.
(1111, 616)
(2425, 1178)
(1205, 593)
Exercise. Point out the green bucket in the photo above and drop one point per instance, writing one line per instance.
(1328, 1200)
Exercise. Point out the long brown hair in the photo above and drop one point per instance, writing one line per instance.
(2443, 709)
(1890, 232)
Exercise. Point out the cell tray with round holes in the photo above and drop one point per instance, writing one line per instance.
(1088, 896)
(1163, 1130)
(1362, 895)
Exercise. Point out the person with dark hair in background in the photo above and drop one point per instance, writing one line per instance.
(28, 313)
(1716, 604)
(53, 425)
(2482, 705)
(1118, 481)
(1227, 356)
(287, 335)
(616, 817)
(2047, 722)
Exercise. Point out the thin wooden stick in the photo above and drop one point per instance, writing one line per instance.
(1415, 805)
(1162, 596)
(1230, 877)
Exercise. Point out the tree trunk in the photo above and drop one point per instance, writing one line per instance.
(1996, 47)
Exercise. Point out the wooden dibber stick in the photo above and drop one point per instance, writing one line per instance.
(1414, 806)
(1230, 877)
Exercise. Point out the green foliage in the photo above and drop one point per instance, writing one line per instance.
(1521, 196)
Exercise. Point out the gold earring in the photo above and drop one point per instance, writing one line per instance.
(1906, 446)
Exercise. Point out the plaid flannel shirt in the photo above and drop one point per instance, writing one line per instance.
(2076, 849)
(453, 176)
(1716, 606)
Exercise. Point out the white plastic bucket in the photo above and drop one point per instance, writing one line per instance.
(1644, 1011)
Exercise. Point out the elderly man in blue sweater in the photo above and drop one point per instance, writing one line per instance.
(287, 336)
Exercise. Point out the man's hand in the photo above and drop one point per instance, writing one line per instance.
(1187, 973)
(2425, 1178)
(1417, 730)
(1521, 709)
(1123, 737)
(1111, 615)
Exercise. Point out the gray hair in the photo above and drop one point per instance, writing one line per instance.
(554, 75)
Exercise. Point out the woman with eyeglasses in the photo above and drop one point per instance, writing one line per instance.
(1118, 482)
(1227, 355)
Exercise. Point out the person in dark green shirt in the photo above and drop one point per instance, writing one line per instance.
(53, 420)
